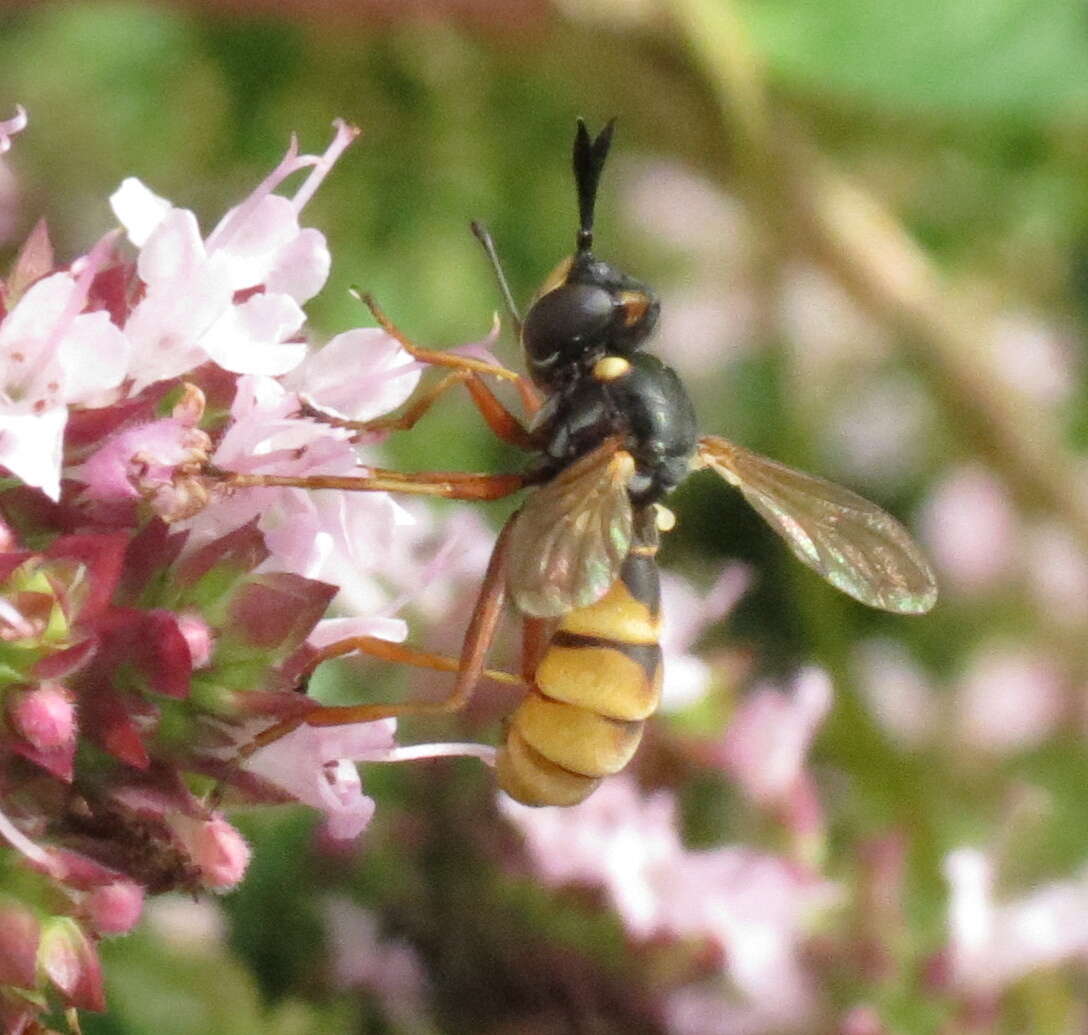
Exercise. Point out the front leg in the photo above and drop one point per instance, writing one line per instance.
(453, 485)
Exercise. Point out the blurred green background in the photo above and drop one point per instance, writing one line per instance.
(868, 222)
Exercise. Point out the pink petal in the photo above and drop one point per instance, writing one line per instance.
(250, 338)
(312, 764)
(765, 745)
(301, 267)
(114, 908)
(332, 630)
(9, 127)
(31, 325)
(360, 374)
(217, 849)
(250, 246)
(44, 716)
(174, 252)
(94, 355)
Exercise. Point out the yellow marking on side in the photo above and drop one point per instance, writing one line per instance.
(600, 679)
(616, 616)
(665, 518)
(575, 738)
(635, 304)
(644, 551)
(611, 368)
(557, 277)
(527, 776)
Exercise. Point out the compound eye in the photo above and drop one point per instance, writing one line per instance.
(562, 322)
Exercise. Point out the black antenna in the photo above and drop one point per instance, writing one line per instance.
(483, 235)
(589, 157)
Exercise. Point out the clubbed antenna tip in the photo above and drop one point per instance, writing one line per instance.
(589, 159)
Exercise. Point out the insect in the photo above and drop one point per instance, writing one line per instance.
(612, 433)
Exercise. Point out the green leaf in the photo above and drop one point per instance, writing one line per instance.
(992, 58)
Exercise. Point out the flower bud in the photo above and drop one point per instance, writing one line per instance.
(221, 853)
(114, 908)
(44, 716)
(68, 958)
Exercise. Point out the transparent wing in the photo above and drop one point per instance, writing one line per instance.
(572, 535)
(851, 542)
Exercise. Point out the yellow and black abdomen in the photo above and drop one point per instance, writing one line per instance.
(596, 682)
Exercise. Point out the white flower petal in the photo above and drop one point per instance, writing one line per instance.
(360, 374)
(174, 252)
(30, 447)
(250, 338)
(33, 321)
(302, 267)
(250, 246)
(95, 356)
(138, 209)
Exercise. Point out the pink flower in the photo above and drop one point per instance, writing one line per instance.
(993, 944)
(1057, 570)
(51, 356)
(765, 745)
(752, 906)
(1010, 698)
(341, 536)
(617, 839)
(172, 643)
(1033, 358)
(362, 959)
(198, 301)
(971, 530)
(686, 616)
(900, 696)
(313, 765)
(114, 908)
(219, 852)
(862, 1020)
(44, 716)
(160, 461)
(360, 374)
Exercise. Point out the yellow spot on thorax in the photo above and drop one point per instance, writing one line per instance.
(610, 368)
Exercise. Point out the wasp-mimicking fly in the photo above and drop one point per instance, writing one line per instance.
(612, 432)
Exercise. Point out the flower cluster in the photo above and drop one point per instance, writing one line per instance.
(152, 622)
(751, 908)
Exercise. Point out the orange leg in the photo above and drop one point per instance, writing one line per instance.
(403, 655)
(501, 421)
(439, 358)
(470, 666)
(454, 485)
(535, 634)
